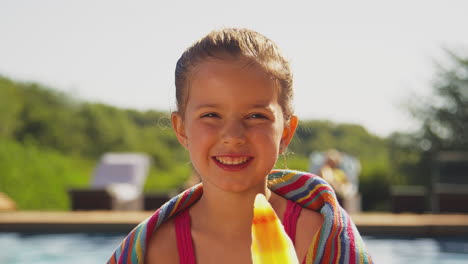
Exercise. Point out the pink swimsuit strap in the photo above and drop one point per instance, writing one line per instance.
(293, 210)
(184, 236)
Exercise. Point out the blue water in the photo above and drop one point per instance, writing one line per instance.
(18, 248)
(418, 250)
(75, 248)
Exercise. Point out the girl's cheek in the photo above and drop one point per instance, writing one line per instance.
(200, 131)
(265, 133)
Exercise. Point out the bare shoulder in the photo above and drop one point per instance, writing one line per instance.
(162, 247)
(308, 224)
(310, 219)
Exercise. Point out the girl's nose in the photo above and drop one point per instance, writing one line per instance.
(233, 133)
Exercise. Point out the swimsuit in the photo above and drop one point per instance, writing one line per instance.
(337, 241)
(184, 236)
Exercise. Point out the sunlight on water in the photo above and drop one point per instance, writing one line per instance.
(57, 248)
(17, 248)
(417, 250)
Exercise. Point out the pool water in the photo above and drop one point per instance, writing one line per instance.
(418, 250)
(17, 248)
(20, 248)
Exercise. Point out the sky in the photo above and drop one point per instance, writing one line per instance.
(353, 61)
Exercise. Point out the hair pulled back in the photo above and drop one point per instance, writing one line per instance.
(236, 43)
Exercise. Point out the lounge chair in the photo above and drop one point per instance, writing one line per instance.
(117, 184)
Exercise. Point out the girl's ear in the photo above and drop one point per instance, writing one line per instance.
(179, 128)
(288, 132)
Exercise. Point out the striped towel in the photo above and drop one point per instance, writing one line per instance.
(337, 241)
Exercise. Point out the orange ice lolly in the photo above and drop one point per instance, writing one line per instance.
(270, 243)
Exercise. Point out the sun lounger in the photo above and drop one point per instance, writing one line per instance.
(117, 184)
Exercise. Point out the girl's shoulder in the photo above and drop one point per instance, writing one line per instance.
(162, 246)
(309, 224)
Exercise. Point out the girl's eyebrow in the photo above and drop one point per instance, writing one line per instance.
(265, 106)
(207, 106)
(252, 106)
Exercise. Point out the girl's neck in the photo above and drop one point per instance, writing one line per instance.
(225, 213)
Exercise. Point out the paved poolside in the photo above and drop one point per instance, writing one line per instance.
(124, 221)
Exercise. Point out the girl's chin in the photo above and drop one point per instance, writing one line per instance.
(240, 187)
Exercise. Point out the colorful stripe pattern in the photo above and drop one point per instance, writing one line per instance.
(338, 240)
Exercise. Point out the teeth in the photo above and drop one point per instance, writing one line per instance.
(232, 161)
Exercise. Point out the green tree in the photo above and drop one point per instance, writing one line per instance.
(405, 159)
(444, 116)
(11, 104)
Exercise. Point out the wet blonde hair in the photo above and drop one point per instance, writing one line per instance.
(236, 43)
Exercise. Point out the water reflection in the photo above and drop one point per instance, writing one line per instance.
(418, 250)
(454, 245)
(21, 248)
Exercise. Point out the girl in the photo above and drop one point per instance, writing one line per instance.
(234, 116)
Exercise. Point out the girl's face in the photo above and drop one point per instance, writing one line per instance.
(233, 126)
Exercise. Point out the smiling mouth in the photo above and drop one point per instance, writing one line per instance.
(232, 163)
(232, 160)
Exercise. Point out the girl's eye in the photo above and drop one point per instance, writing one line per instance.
(257, 116)
(210, 115)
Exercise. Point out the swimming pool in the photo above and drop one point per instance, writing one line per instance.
(74, 248)
(418, 250)
(20, 248)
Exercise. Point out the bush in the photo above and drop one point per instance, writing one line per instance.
(38, 179)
